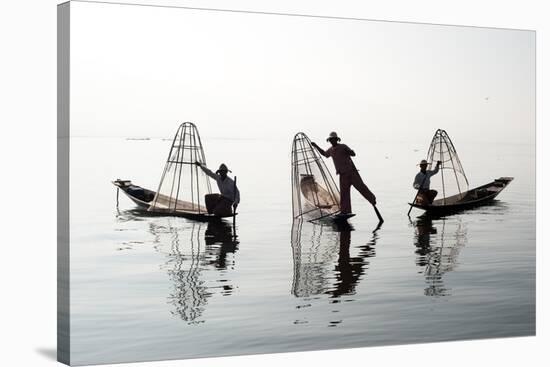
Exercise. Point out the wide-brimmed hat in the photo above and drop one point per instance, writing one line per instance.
(223, 167)
(422, 162)
(333, 135)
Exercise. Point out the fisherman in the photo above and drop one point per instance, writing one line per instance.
(422, 182)
(349, 176)
(220, 204)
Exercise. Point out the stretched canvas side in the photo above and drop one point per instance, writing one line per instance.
(63, 139)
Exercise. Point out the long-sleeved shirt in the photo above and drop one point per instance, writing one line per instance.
(341, 156)
(226, 186)
(422, 180)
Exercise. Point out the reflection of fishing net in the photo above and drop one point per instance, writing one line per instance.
(314, 192)
(195, 263)
(451, 182)
(313, 254)
(183, 184)
(189, 291)
(438, 254)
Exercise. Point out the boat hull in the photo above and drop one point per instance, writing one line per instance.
(482, 195)
(143, 197)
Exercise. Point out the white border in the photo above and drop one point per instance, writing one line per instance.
(28, 114)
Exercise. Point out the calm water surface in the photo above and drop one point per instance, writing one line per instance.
(147, 288)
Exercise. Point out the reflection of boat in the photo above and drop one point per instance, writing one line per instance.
(454, 190)
(183, 184)
(437, 254)
(314, 192)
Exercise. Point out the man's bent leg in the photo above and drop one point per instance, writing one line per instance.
(211, 200)
(363, 189)
(431, 195)
(223, 207)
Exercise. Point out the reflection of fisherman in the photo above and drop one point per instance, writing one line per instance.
(422, 182)
(425, 230)
(341, 155)
(220, 204)
(220, 234)
(349, 269)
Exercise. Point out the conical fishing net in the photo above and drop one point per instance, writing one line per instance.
(451, 182)
(183, 184)
(314, 192)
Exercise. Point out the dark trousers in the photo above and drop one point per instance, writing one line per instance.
(426, 196)
(218, 204)
(347, 180)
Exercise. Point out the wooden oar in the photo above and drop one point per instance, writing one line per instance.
(234, 198)
(378, 214)
(378, 226)
(411, 207)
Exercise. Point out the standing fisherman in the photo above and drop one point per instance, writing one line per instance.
(220, 204)
(422, 182)
(349, 176)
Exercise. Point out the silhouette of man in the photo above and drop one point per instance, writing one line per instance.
(349, 176)
(220, 204)
(422, 182)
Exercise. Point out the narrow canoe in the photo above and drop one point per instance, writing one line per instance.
(143, 198)
(473, 198)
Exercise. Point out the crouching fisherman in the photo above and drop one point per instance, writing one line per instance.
(229, 196)
(422, 183)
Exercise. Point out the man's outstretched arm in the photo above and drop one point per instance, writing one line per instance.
(321, 151)
(208, 172)
(436, 168)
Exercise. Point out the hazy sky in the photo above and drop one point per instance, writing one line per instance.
(140, 71)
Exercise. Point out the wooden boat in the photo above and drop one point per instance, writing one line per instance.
(479, 196)
(183, 184)
(143, 198)
(139, 195)
(453, 183)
